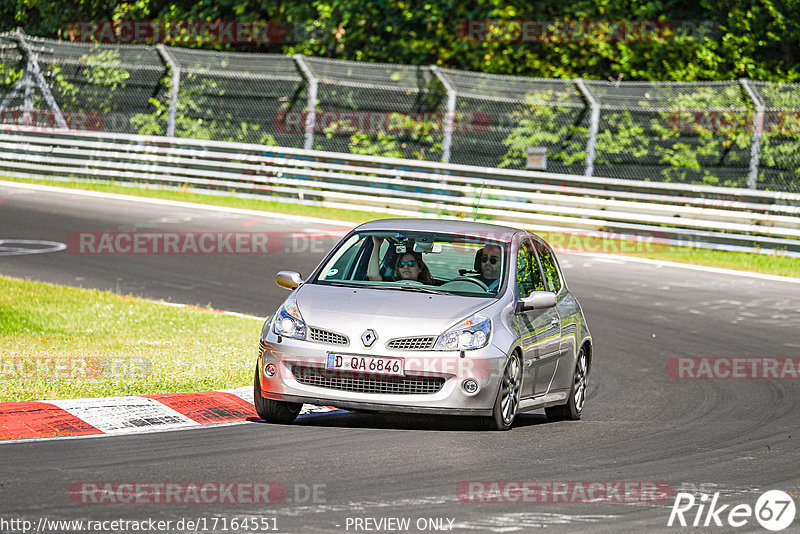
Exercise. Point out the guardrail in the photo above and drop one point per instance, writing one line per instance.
(700, 216)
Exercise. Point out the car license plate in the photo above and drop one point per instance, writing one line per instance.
(365, 364)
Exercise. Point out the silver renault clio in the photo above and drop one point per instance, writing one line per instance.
(428, 316)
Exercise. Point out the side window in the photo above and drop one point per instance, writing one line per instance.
(550, 268)
(529, 276)
(343, 265)
(342, 269)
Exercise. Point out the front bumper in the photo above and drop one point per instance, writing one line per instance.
(440, 374)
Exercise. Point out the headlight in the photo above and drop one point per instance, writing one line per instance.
(472, 333)
(288, 321)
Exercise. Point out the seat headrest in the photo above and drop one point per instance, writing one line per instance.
(478, 255)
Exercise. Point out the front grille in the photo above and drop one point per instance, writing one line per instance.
(408, 385)
(411, 343)
(326, 336)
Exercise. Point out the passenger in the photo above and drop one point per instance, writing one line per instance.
(411, 267)
(374, 268)
(408, 266)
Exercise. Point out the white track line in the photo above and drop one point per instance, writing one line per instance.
(716, 270)
(175, 203)
(201, 308)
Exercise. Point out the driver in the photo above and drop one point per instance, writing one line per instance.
(491, 263)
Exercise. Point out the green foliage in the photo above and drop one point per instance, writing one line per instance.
(103, 71)
(9, 75)
(781, 137)
(684, 136)
(152, 123)
(192, 110)
(542, 121)
(708, 40)
(93, 87)
(383, 145)
(403, 136)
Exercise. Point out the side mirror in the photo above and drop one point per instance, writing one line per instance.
(289, 279)
(537, 300)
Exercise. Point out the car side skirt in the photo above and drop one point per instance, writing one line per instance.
(543, 401)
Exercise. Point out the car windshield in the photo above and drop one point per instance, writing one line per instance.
(418, 261)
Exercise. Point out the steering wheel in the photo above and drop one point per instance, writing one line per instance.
(470, 279)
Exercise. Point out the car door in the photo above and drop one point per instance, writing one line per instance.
(539, 330)
(554, 283)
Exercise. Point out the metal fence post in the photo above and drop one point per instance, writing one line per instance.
(594, 125)
(27, 82)
(32, 72)
(758, 129)
(175, 70)
(449, 121)
(311, 110)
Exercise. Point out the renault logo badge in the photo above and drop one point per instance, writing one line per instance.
(368, 337)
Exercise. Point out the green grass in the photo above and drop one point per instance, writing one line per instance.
(743, 261)
(60, 342)
(761, 263)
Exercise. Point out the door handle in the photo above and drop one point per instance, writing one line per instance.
(555, 321)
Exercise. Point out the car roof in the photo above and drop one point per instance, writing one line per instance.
(441, 225)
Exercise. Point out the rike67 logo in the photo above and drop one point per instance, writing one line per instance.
(774, 510)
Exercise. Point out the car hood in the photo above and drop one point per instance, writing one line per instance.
(390, 313)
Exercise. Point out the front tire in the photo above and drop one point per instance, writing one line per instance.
(573, 409)
(506, 405)
(273, 411)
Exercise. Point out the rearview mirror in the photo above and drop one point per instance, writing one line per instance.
(537, 300)
(289, 279)
(421, 246)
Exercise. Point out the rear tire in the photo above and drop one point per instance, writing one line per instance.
(573, 409)
(273, 411)
(506, 405)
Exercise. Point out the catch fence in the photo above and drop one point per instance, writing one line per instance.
(741, 134)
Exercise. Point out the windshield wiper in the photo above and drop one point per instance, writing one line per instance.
(420, 289)
(363, 286)
(423, 289)
(337, 284)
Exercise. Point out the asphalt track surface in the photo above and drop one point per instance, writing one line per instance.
(735, 437)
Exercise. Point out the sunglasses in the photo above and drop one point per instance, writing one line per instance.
(407, 263)
(491, 259)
